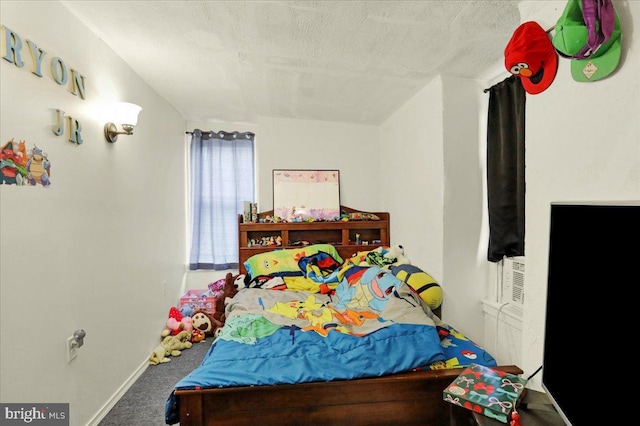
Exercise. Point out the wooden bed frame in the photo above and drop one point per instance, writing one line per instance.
(412, 398)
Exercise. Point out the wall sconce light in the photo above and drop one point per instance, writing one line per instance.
(126, 114)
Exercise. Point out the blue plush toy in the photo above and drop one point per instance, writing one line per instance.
(187, 310)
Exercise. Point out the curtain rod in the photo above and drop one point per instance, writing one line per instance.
(211, 131)
(224, 135)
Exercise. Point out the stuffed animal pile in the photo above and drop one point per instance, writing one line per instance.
(186, 326)
(177, 323)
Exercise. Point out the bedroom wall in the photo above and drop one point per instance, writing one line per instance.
(93, 250)
(310, 144)
(436, 195)
(466, 270)
(582, 143)
(412, 189)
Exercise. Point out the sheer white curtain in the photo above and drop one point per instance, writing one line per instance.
(221, 178)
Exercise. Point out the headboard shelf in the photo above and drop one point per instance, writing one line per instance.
(342, 234)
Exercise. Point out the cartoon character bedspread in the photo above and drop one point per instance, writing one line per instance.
(372, 327)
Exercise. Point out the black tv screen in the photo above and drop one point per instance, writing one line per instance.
(594, 271)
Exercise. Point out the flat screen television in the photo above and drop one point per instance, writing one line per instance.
(594, 271)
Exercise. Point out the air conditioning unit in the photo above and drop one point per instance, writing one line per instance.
(513, 279)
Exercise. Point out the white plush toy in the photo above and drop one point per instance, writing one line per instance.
(397, 252)
(238, 282)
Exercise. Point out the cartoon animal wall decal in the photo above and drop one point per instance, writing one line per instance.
(21, 167)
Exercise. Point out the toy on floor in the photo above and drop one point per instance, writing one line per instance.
(221, 290)
(229, 290)
(177, 323)
(170, 346)
(187, 310)
(205, 322)
(197, 336)
(188, 324)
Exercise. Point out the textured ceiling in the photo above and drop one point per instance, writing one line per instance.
(349, 61)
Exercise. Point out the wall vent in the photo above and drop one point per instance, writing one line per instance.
(513, 279)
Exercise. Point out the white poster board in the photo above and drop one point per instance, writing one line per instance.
(299, 195)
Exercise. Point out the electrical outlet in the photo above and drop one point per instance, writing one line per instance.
(72, 349)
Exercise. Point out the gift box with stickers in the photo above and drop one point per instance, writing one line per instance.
(484, 390)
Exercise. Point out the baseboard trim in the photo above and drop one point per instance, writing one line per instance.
(101, 414)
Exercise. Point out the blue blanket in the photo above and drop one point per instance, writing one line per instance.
(291, 355)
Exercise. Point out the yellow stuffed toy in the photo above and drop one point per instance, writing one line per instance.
(170, 345)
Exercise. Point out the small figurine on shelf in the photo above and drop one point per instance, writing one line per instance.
(357, 239)
(278, 240)
(254, 212)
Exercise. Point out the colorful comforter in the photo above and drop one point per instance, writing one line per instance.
(355, 324)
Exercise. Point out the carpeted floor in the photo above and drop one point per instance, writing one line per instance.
(143, 404)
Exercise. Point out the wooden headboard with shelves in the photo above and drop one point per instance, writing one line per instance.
(342, 234)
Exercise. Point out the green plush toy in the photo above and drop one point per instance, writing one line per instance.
(159, 356)
(170, 345)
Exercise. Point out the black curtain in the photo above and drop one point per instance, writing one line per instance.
(505, 169)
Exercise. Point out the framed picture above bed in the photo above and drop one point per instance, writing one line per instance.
(299, 195)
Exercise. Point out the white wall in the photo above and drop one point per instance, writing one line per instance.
(582, 143)
(306, 144)
(91, 251)
(411, 188)
(432, 148)
(466, 269)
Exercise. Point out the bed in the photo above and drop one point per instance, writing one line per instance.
(313, 338)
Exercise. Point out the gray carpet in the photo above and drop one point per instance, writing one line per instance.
(143, 404)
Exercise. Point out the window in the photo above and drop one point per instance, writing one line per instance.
(221, 178)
